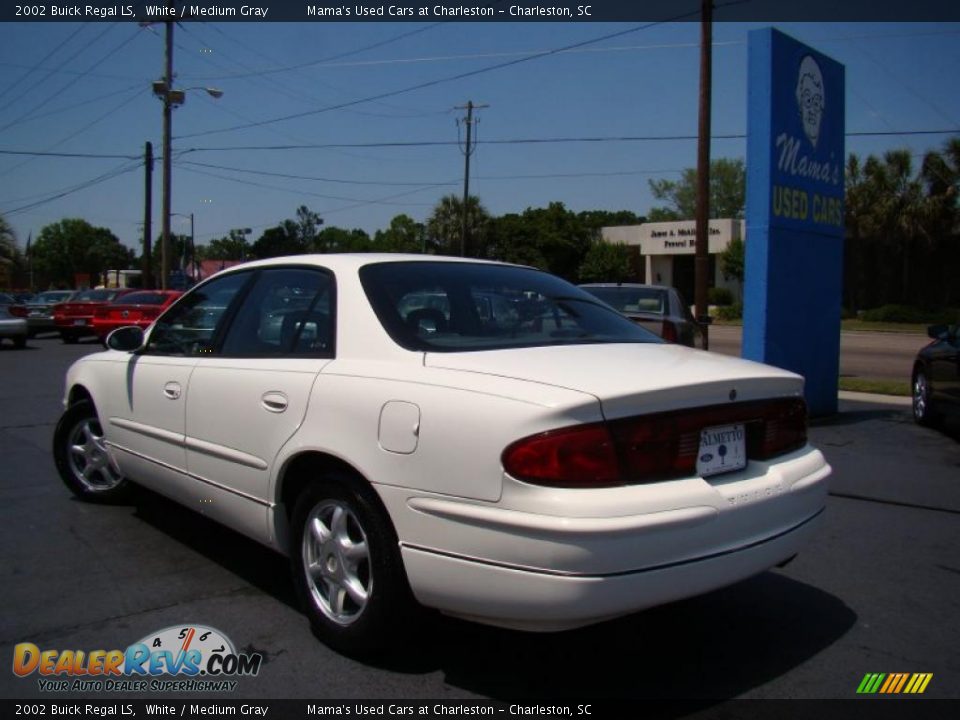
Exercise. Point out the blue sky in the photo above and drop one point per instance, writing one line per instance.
(72, 88)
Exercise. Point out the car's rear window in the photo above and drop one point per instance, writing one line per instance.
(453, 307)
(142, 298)
(632, 299)
(94, 296)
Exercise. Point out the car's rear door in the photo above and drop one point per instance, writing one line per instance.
(249, 396)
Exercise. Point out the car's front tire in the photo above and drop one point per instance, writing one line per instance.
(923, 410)
(82, 459)
(347, 568)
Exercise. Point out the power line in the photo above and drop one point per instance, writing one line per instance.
(32, 69)
(308, 177)
(540, 141)
(302, 192)
(109, 175)
(440, 81)
(300, 66)
(50, 97)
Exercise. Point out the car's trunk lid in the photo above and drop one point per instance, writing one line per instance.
(632, 378)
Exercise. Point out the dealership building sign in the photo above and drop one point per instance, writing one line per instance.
(795, 212)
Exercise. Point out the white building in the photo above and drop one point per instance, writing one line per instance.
(667, 251)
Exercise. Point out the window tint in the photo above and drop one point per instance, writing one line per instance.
(190, 327)
(450, 307)
(632, 299)
(143, 298)
(94, 296)
(287, 312)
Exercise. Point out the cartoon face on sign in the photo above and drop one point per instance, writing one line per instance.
(810, 99)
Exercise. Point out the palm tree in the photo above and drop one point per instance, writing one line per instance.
(445, 226)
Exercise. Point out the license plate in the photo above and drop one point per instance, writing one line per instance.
(79, 322)
(722, 449)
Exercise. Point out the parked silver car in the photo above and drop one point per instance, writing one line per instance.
(658, 308)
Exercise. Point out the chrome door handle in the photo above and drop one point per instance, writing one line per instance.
(275, 402)
(172, 390)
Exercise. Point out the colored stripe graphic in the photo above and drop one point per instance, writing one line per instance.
(894, 683)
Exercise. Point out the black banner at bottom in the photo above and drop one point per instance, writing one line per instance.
(868, 709)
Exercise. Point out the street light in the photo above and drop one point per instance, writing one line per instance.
(193, 250)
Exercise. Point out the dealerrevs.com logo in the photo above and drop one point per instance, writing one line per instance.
(180, 658)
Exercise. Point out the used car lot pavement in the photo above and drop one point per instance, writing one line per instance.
(876, 590)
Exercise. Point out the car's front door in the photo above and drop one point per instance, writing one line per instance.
(250, 395)
(147, 420)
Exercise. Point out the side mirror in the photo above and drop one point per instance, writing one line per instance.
(937, 332)
(126, 339)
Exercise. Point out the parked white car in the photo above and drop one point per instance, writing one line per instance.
(486, 439)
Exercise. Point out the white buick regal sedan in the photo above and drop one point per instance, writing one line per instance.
(480, 438)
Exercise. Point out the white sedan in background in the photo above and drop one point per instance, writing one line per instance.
(480, 438)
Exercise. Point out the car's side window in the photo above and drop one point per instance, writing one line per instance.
(191, 326)
(288, 311)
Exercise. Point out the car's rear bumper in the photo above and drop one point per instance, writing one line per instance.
(545, 558)
(540, 601)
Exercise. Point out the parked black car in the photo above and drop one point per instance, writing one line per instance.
(936, 376)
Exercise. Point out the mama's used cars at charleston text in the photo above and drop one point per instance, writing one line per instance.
(486, 439)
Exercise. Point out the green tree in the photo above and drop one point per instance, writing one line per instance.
(552, 238)
(732, 261)
(335, 239)
(728, 182)
(445, 226)
(8, 241)
(73, 246)
(606, 262)
(233, 247)
(404, 235)
(284, 239)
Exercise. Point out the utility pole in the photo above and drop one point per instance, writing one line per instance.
(702, 259)
(167, 122)
(147, 216)
(467, 152)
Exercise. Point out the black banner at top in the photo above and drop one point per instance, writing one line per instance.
(480, 11)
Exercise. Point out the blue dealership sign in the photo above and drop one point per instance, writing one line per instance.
(795, 212)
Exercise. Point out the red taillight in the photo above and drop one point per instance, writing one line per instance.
(101, 312)
(669, 332)
(18, 311)
(653, 447)
(581, 456)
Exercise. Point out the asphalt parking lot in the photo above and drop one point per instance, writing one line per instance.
(877, 591)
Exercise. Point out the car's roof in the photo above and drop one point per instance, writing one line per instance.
(347, 262)
(625, 285)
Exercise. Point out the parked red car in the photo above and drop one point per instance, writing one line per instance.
(74, 318)
(139, 308)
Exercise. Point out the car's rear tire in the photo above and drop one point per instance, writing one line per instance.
(923, 410)
(82, 459)
(68, 338)
(347, 568)
(20, 342)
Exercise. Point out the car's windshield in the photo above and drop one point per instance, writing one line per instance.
(631, 299)
(53, 296)
(452, 307)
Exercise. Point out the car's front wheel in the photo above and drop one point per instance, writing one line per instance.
(923, 411)
(82, 459)
(347, 569)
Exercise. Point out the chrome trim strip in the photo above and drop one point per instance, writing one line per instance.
(149, 431)
(219, 486)
(226, 453)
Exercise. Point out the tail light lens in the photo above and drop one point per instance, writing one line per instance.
(18, 311)
(649, 448)
(669, 332)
